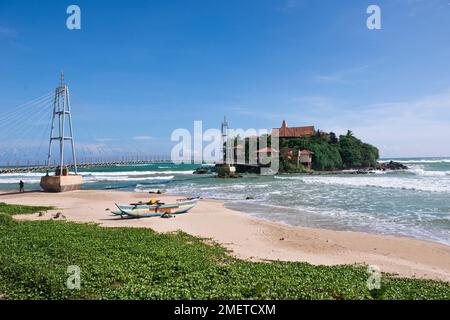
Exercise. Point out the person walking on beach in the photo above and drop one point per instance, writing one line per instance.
(21, 186)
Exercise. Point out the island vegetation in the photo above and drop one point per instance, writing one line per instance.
(331, 152)
(35, 255)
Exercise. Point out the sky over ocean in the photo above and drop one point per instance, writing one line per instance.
(152, 67)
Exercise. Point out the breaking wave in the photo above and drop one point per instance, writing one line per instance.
(433, 185)
(135, 173)
(124, 178)
(35, 177)
(446, 160)
(426, 173)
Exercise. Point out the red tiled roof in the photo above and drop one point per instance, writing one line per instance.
(295, 132)
(306, 152)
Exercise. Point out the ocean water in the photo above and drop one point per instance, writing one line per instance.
(413, 202)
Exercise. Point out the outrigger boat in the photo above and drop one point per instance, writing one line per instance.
(144, 210)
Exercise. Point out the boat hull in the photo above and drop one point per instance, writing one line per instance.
(145, 211)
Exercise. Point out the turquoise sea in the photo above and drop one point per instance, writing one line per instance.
(414, 202)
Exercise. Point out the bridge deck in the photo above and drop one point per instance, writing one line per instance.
(52, 168)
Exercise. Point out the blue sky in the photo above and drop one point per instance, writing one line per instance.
(138, 70)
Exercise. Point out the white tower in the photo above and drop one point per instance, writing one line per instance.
(224, 129)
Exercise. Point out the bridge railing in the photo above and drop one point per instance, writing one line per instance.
(42, 166)
(85, 160)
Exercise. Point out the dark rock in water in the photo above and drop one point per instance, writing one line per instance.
(392, 165)
(361, 171)
(201, 170)
(226, 171)
(249, 198)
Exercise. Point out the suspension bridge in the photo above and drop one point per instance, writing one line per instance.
(53, 168)
(32, 133)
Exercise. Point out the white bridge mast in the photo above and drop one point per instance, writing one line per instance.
(61, 111)
(62, 181)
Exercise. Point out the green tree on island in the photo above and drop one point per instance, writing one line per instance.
(331, 153)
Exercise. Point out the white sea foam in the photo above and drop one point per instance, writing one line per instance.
(24, 174)
(116, 178)
(135, 173)
(289, 177)
(381, 171)
(431, 184)
(88, 179)
(446, 160)
(16, 180)
(135, 165)
(142, 188)
(34, 177)
(368, 203)
(428, 173)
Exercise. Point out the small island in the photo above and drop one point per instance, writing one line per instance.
(307, 150)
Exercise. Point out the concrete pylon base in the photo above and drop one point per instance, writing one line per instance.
(61, 183)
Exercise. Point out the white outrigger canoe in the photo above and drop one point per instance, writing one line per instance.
(155, 210)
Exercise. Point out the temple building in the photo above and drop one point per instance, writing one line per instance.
(295, 132)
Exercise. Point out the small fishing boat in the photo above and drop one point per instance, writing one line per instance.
(142, 210)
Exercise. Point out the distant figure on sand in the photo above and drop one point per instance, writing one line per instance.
(21, 186)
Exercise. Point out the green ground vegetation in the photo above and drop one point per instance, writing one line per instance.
(135, 263)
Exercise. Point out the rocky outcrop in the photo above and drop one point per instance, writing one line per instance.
(226, 171)
(391, 165)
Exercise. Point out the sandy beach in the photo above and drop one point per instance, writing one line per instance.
(250, 238)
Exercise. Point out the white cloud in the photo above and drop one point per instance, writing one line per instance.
(416, 127)
(142, 138)
(341, 76)
(6, 32)
(104, 139)
(289, 6)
